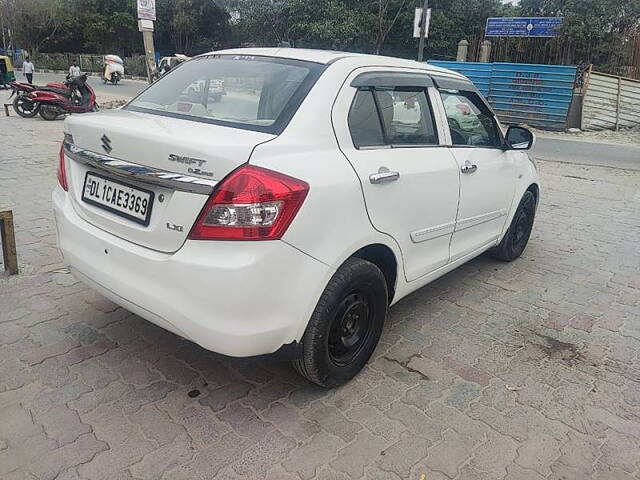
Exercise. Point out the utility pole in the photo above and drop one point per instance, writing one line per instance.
(423, 29)
(150, 54)
(146, 17)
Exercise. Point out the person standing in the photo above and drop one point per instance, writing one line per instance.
(3, 74)
(74, 70)
(27, 69)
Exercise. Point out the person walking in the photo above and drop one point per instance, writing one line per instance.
(27, 69)
(74, 70)
(3, 74)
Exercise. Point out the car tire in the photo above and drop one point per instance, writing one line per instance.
(517, 236)
(48, 112)
(345, 326)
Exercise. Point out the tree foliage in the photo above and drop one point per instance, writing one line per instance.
(191, 26)
(594, 30)
(35, 22)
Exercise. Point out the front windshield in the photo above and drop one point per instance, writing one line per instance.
(230, 89)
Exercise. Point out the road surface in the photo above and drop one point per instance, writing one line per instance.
(588, 153)
(512, 371)
(125, 89)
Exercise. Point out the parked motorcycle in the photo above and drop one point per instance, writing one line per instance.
(24, 105)
(54, 104)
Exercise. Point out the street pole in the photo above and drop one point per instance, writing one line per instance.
(423, 27)
(150, 54)
(146, 17)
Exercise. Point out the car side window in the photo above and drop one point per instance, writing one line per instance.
(470, 121)
(406, 116)
(364, 122)
(397, 116)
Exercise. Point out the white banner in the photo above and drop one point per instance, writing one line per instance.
(416, 22)
(145, 25)
(147, 10)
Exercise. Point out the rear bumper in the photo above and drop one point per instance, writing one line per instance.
(235, 298)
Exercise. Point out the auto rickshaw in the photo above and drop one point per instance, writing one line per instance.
(168, 63)
(6, 71)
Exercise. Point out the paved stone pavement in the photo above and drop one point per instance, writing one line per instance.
(526, 370)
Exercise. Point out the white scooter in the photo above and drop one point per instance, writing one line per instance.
(113, 69)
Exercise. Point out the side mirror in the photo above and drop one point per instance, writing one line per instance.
(519, 138)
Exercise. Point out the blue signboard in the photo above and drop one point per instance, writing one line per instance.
(523, 26)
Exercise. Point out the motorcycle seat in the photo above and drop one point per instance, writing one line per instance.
(55, 90)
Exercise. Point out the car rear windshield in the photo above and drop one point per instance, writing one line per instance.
(250, 92)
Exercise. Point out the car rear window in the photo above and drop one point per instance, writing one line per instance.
(251, 92)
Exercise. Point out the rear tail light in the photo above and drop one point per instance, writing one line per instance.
(252, 203)
(62, 170)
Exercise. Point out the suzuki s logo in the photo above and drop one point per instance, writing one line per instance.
(106, 143)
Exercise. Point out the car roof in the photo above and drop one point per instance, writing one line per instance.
(331, 56)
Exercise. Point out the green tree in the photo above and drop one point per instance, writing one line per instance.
(191, 26)
(96, 26)
(34, 22)
(386, 16)
(109, 25)
(359, 25)
(593, 31)
(597, 31)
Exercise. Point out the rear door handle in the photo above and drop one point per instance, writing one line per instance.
(468, 167)
(383, 176)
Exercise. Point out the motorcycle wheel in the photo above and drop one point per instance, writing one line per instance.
(48, 112)
(25, 107)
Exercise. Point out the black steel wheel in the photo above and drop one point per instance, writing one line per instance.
(350, 328)
(25, 107)
(345, 326)
(517, 236)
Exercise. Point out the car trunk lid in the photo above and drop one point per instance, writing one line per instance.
(177, 161)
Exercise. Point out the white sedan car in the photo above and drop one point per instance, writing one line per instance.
(290, 216)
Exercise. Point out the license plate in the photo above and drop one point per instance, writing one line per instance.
(117, 197)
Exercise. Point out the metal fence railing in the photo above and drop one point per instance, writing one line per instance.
(134, 65)
(611, 102)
